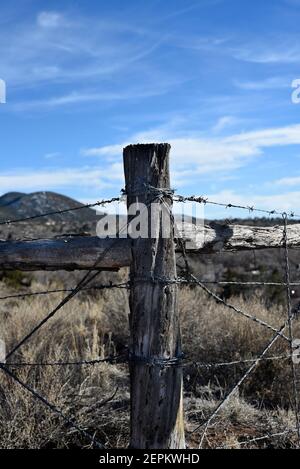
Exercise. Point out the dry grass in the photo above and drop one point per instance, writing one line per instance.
(94, 325)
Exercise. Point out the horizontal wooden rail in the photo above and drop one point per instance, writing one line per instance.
(81, 252)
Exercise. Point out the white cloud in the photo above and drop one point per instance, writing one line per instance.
(223, 122)
(272, 51)
(272, 83)
(192, 156)
(288, 181)
(278, 136)
(35, 180)
(86, 96)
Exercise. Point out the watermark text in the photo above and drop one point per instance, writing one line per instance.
(296, 92)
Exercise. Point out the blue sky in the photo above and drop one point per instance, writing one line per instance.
(212, 77)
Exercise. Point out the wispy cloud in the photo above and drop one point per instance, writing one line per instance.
(269, 51)
(288, 181)
(86, 96)
(56, 179)
(225, 122)
(191, 7)
(272, 83)
(58, 48)
(192, 156)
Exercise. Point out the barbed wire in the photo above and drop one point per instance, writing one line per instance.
(99, 203)
(249, 284)
(121, 286)
(250, 209)
(68, 420)
(238, 362)
(126, 285)
(156, 193)
(181, 362)
(111, 359)
(239, 311)
(268, 436)
(194, 281)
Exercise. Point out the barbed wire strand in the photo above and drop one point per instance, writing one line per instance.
(290, 321)
(267, 436)
(69, 420)
(250, 284)
(238, 362)
(123, 358)
(219, 300)
(169, 193)
(120, 286)
(126, 285)
(60, 212)
(112, 359)
(206, 201)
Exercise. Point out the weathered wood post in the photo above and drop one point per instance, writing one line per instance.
(156, 389)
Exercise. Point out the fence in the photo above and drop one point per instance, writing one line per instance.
(154, 355)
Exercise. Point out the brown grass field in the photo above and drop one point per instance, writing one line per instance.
(95, 324)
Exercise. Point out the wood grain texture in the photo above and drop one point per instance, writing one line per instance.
(156, 393)
(77, 253)
(80, 252)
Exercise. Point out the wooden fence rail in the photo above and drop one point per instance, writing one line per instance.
(80, 252)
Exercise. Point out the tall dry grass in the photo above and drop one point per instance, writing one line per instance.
(94, 325)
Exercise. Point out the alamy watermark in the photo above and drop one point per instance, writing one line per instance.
(296, 92)
(2, 91)
(155, 221)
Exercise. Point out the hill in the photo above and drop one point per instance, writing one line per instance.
(19, 205)
(15, 205)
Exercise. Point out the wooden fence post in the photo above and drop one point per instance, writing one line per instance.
(156, 391)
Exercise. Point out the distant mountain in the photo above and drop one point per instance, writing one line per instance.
(16, 205)
(19, 205)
